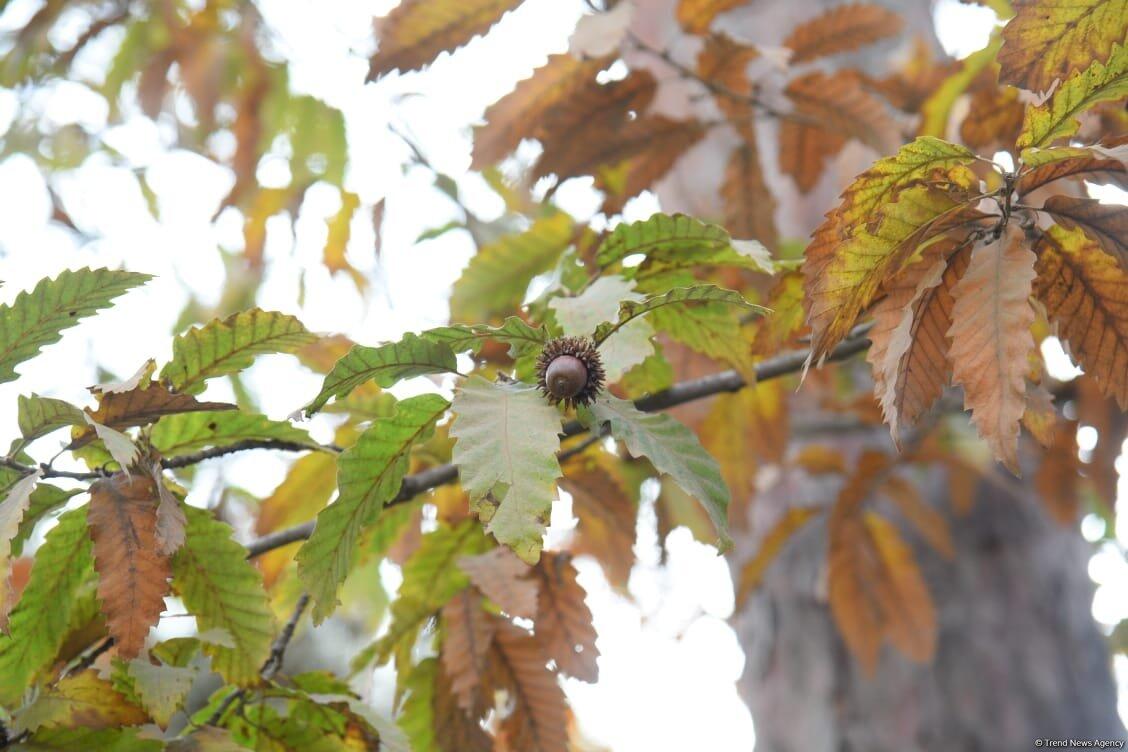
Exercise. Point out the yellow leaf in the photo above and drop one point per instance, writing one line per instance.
(1107, 224)
(695, 16)
(416, 31)
(1086, 295)
(1049, 40)
(1100, 82)
(991, 340)
(82, 699)
(929, 523)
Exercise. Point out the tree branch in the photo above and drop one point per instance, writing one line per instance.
(678, 394)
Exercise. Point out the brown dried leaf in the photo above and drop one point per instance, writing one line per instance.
(455, 731)
(1090, 166)
(752, 573)
(607, 519)
(563, 625)
(842, 29)
(468, 631)
(144, 405)
(1058, 477)
(909, 353)
(804, 151)
(519, 114)
(416, 31)
(994, 118)
(749, 205)
(991, 340)
(504, 579)
(641, 152)
(840, 103)
(537, 722)
(133, 575)
(1086, 294)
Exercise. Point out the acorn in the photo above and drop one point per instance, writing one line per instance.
(569, 370)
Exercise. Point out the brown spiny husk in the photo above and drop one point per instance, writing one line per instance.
(578, 347)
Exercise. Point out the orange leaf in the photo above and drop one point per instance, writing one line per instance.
(607, 518)
(1086, 294)
(929, 523)
(538, 721)
(752, 573)
(504, 579)
(841, 29)
(991, 340)
(695, 16)
(563, 625)
(840, 103)
(640, 153)
(520, 113)
(132, 575)
(804, 150)
(1058, 477)
(994, 118)
(455, 731)
(1049, 40)
(876, 590)
(416, 31)
(819, 459)
(467, 631)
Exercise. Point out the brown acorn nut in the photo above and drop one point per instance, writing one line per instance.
(569, 370)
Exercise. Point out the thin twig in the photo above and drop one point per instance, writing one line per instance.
(678, 394)
(273, 662)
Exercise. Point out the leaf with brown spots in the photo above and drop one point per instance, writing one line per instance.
(563, 625)
(1086, 295)
(842, 29)
(132, 574)
(504, 579)
(82, 699)
(1107, 224)
(1049, 40)
(1070, 162)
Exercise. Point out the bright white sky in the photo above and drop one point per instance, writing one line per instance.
(669, 660)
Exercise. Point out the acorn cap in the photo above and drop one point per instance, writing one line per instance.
(562, 382)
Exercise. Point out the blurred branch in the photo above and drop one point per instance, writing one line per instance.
(678, 394)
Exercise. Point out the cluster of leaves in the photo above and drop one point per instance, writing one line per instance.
(945, 251)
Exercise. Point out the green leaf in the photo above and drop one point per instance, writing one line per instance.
(226, 346)
(579, 316)
(211, 574)
(44, 499)
(417, 718)
(39, 416)
(387, 364)
(38, 317)
(506, 441)
(672, 242)
(712, 329)
(630, 310)
(61, 739)
(161, 689)
(513, 331)
(673, 449)
(185, 433)
(431, 577)
(369, 474)
(1101, 82)
(40, 620)
(495, 281)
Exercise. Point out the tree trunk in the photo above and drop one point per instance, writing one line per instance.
(1018, 655)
